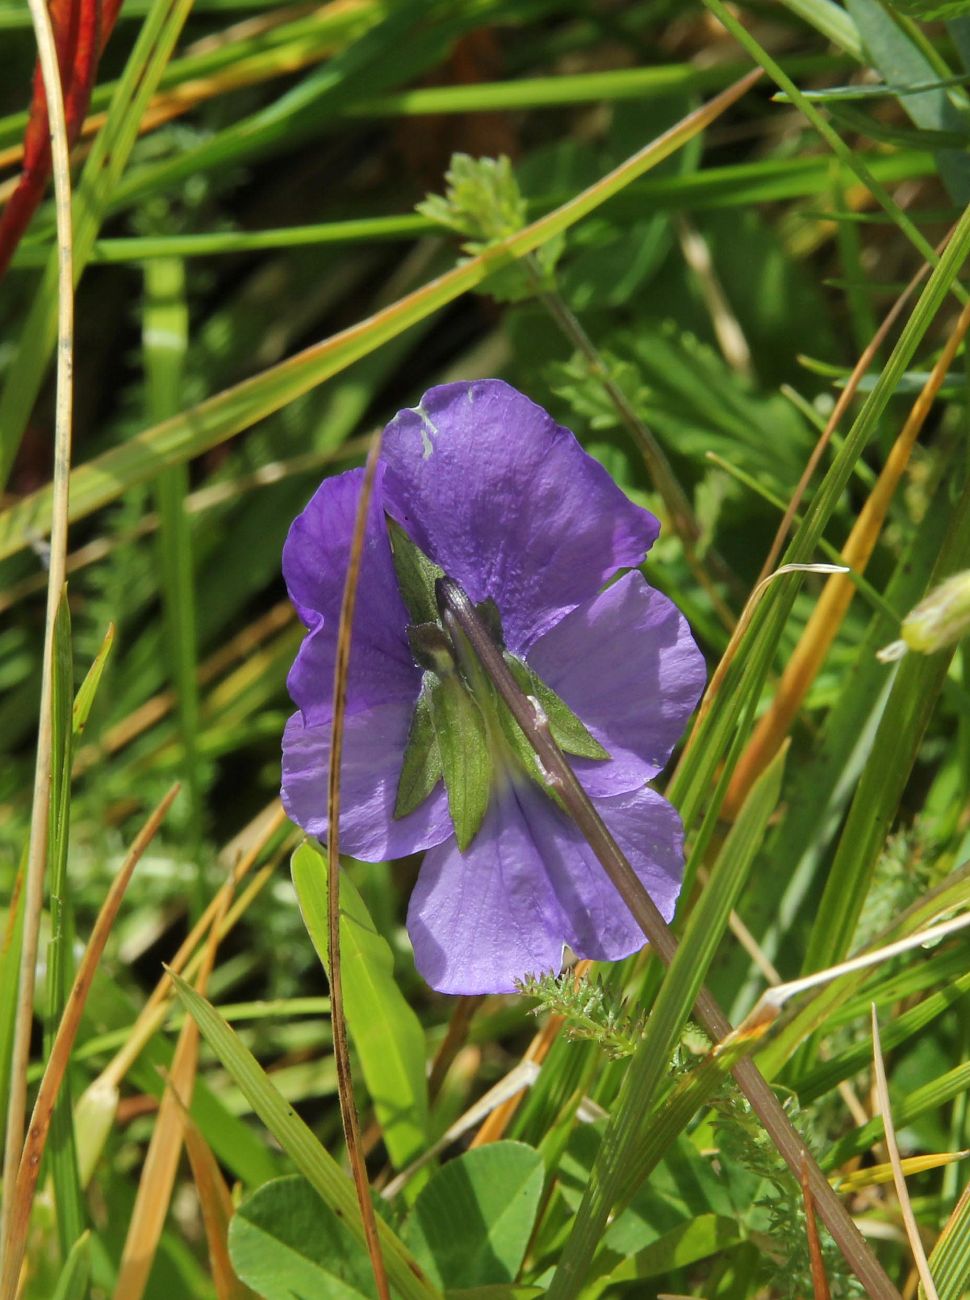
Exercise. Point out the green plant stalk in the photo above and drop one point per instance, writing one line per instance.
(220, 417)
(562, 779)
(611, 1172)
(165, 341)
(61, 1147)
(675, 499)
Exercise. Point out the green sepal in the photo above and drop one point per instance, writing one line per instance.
(431, 648)
(466, 760)
(567, 730)
(416, 575)
(421, 770)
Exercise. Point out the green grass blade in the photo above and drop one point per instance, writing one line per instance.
(611, 1173)
(73, 1281)
(385, 1030)
(165, 335)
(921, 1101)
(308, 1156)
(61, 1147)
(918, 683)
(9, 967)
(950, 1259)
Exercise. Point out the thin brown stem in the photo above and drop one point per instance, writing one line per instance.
(580, 807)
(341, 1051)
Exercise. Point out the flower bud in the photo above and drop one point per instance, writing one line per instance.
(939, 620)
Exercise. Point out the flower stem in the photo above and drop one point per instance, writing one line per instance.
(580, 807)
(675, 499)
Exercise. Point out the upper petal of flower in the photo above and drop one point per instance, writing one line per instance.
(373, 748)
(508, 504)
(315, 560)
(626, 664)
(529, 883)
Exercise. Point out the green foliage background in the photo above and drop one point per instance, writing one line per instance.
(257, 293)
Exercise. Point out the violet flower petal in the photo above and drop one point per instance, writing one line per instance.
(626, 663)
(373, 750)
(529, 883)
(482, 919)
(508, 504)
(648, 830)
(315, 559)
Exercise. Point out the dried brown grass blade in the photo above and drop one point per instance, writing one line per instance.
(217, 1208)
(820, 1283)
(60, 1054)
(341, 1049)
(906, 1209)
(161, 1161)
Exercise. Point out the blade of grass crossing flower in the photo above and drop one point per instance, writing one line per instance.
(647, 1068)
(577, 803)
(309, 1157)
(165, 1147)
(950, 1257)
(341, 1049)
(63, 330)
(107, 161)
(59, 1057)
(220, 417)
(386, 1032)
(62, 1154)
(165, 334)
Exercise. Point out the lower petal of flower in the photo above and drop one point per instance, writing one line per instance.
(374, 741)
(529, 884)
(647, 828)
(482, 919)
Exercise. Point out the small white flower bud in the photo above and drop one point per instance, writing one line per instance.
(939, 620)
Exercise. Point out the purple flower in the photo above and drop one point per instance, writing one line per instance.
(508, 504)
